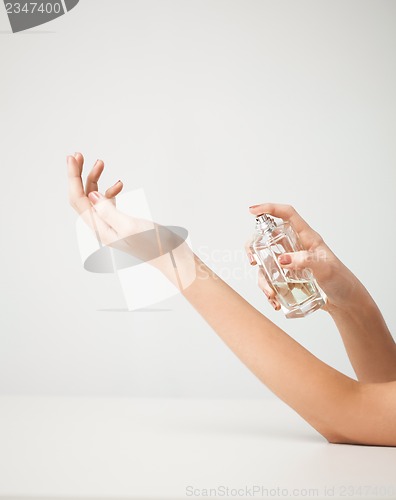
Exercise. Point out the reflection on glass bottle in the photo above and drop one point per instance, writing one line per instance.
(296, 290)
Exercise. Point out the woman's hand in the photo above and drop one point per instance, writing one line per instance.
(79, 196)
(332, 276)
(142, 238)
(112, 227)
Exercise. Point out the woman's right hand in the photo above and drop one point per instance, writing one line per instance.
(335, 279)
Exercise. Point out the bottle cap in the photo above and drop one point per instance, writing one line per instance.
(264, 218)
(265, 221)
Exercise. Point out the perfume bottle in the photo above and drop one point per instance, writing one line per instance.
(296, 290)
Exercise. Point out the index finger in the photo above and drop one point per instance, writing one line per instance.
(285, 212)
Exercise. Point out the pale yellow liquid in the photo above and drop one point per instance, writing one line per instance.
(293, 292)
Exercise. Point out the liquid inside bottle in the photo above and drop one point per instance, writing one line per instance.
(294, 291)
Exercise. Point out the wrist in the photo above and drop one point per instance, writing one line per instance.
(350, 296)
(344, 291)
(178, 265)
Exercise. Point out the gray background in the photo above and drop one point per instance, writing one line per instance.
(210, 106)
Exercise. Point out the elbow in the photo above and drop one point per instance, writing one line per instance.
(368, 419)
(351, 423)
(364, 435)
(363, 439)
(334, 438)
(332, 434)
(364, 416)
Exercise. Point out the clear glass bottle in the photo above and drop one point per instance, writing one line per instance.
(296, 290)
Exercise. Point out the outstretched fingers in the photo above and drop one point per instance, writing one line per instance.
(80, 160)
(114, 190)
(93, 177)
(91, 184)
(82, 204)
(77, 197)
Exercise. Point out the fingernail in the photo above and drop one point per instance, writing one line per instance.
(118, 182)
(274, 304)
(94, 196)
(252, 260)
(254, 206)
(284, 259)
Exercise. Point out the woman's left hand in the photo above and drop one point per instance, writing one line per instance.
(142, 238)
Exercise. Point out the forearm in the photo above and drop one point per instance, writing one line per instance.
(368, 342)
(313, 389)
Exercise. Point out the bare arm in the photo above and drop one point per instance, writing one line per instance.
(340, 408)
(366, 337)
(368, 342)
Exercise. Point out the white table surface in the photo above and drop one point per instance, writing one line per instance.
(142, 448)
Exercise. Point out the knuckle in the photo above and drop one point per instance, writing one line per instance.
(90, 177)
(290, 209)
(317, 239)
(269, 207)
